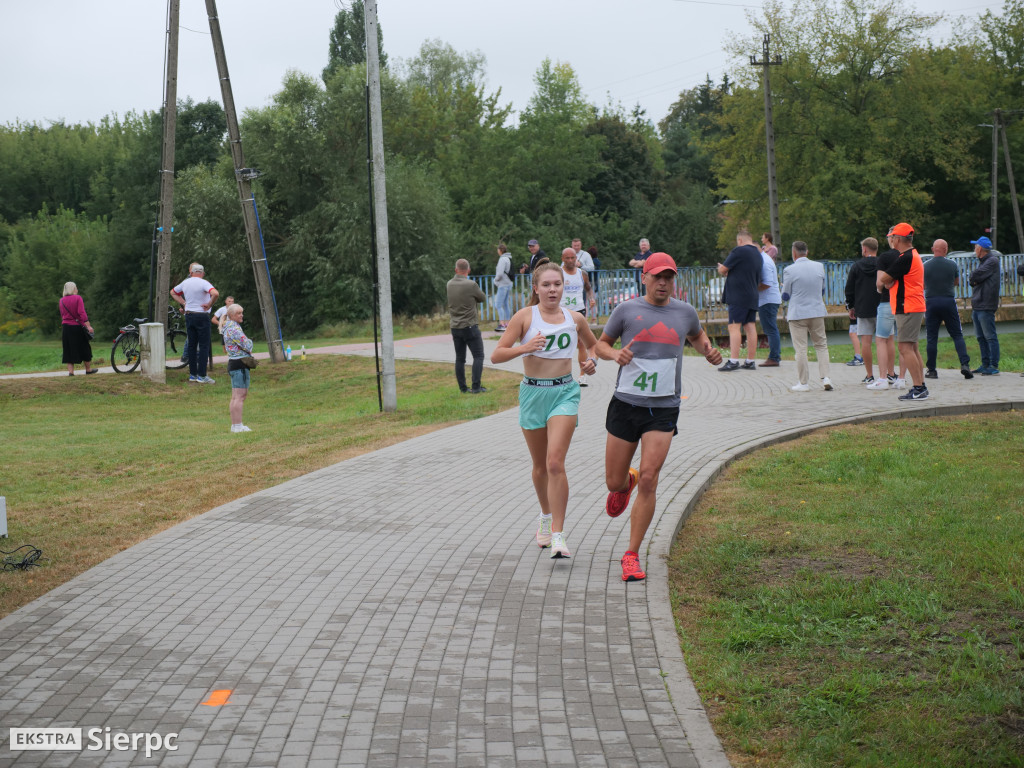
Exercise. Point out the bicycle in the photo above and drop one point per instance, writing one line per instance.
(125, 355)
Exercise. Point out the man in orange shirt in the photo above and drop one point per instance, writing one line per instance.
(905, 282)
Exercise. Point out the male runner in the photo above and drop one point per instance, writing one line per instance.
(645, 407)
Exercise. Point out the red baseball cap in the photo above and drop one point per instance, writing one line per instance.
(902, 230)
(659, 262)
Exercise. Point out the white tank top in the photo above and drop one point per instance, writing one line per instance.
(572, 291)
(562, 337)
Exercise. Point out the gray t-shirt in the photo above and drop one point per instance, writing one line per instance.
(654, 377)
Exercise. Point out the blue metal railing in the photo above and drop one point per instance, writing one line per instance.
(702, 286)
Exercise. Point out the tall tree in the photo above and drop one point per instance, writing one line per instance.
(558, 95)
(348, 40)
(850, 139)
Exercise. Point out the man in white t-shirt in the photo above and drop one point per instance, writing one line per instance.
(220, 316)
(196, 294)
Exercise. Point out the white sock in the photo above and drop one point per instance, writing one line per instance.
(545, 517)
(749, 360)
(733, 360)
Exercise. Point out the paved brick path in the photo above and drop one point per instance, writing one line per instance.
(393, 610)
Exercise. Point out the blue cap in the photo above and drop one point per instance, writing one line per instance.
(984, 242)
(533, 242)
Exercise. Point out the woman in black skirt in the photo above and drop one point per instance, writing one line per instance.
(77, 330)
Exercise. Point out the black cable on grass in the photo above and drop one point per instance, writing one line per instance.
(14, 562)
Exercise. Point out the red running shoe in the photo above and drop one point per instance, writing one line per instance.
(619, 500)
(631, 567)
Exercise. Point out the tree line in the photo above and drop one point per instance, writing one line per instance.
(874, 123)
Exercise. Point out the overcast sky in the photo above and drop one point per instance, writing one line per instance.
(79, 61)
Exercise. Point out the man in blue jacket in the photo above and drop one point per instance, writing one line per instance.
(984, 281)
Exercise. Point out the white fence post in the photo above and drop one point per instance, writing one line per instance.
(3, 517)
(153, 350)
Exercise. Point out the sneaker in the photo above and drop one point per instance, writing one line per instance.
(617, 501)
(730, 366)
(980, 369)
(857, 360)
(931, 373)
(879, 384)
(240, 428)
(891, 378)
(205, 380)
(631, 567)
(194, 379)
(916, 393)
(544, 532)
(500, 329)
(899, 384)
(990, 371)
(826, 382)
(477, 390)
(583, 380)
(769, 363)
(750, 365)
(867, 380)
(798, 387)
(558, 546)
(968, 373)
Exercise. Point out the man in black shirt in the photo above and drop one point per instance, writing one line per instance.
(742, 271)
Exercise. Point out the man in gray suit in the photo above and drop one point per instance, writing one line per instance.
(803, 286)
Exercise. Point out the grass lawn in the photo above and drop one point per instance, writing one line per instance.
(95, 465)
(856, 597)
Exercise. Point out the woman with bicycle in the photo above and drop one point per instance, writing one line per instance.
(76, 330)
(238, 345)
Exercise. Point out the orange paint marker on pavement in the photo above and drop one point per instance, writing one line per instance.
(217, 698)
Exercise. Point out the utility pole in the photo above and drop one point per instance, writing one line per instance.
(243, 176)
(995, 173)
(1013, 191)
(380, 207)
(769, 129)
(166, 229)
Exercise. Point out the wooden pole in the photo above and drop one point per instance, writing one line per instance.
(243, 176)
(769, 127)
(1013, 192)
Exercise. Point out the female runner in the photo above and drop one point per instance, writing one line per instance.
(549, 397)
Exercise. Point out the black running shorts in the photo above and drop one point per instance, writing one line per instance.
(629, 422)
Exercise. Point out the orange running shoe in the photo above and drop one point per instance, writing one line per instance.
(619, 500)
(631, 567)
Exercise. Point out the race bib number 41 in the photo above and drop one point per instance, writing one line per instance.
(648, 378)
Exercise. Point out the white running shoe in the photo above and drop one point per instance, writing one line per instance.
(240, 428)
(826, 382)
(544, 532)
(899, 384)
(878, 384)
(583, 380)
(800, 388)
(558, 545)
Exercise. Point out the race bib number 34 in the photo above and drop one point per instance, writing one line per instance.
(648, 378)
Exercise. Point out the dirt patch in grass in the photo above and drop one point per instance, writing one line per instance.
(854, 566)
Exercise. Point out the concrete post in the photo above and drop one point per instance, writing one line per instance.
(154, 352)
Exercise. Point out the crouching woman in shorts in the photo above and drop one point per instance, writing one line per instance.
(238, 345)
(549, 397)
